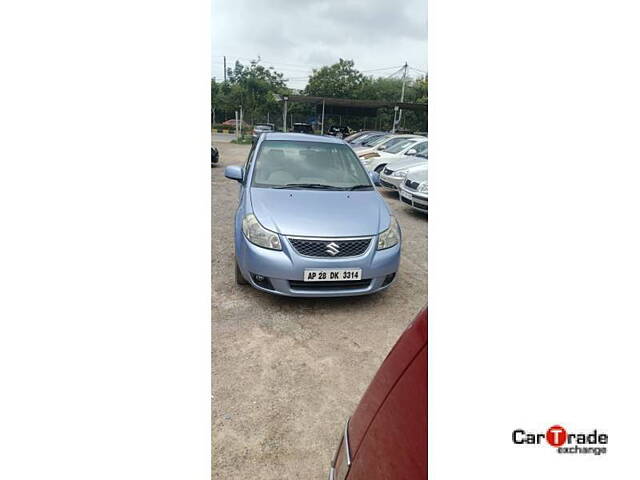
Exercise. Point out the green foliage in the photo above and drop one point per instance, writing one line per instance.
(340, 80)
(244, 140)
(256, 88)
(250, 86)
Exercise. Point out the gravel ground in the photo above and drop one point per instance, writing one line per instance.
(287, 372)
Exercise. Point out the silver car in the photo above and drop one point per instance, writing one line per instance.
(260, 128)
(414, 191)
(396, 171)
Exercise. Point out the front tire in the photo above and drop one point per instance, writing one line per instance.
(240, 280)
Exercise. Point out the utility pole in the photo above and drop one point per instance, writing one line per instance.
(225, 68)
(322, 124)
(237, 136)
(398, 111)
(284, 114)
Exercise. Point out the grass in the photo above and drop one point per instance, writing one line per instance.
(242, 140)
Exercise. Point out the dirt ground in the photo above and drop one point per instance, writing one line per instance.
(287, 372)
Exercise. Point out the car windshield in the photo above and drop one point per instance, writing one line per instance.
(421, 147)
(357, 136)
(373, 142)
(390, 142)
(309, 165)
(398, 147)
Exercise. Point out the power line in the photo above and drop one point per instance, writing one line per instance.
(418, 70)
(379, 69)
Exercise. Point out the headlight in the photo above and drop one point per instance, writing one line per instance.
(391, 236)
(423, 188)
(258, 235)
(399, 174)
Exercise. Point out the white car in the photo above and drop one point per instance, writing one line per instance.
(396, 171)
(408, 147)
(369, 144)
(414, 191)
(381, 145)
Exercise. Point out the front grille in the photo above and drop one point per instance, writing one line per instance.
(411, 185)
(387, 171)
(421, 206)
(405, 200)
(346, 285)
(330, 248)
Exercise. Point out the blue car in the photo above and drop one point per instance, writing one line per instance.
(310, 222)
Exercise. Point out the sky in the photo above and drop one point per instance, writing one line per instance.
(295, 36)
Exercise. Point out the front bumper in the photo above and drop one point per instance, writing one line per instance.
(418, 201)
(284, 269)
(389, 183)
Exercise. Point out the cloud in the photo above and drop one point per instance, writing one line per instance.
(295, 36)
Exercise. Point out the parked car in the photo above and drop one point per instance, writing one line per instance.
(215, 155)
(339, 132)
(386, 437)
(310, 222)
(356, 135)
(366, 138)
(381, 145)
(260, 128)
(396, 171)
(414, 191)
(374, 141)
(302, 128)
(408, 147)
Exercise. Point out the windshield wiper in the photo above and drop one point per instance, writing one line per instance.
(359, 187)
(308, 185)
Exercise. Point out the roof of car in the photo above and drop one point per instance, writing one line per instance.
(300, 137)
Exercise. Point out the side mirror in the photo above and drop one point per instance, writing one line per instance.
(382, 147)
(375, 178)
(234, 172)
(411, 151)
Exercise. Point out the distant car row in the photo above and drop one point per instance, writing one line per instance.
(401, 162)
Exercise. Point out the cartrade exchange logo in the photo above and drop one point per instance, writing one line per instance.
(593, 442)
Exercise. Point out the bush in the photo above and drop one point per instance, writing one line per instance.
(245, 140)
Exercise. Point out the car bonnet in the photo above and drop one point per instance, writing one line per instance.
(405, 162)
(320, 213)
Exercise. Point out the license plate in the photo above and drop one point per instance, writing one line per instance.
(332, 274)
(405, 195)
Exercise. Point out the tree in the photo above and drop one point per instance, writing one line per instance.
(340, 80)
(250, 86)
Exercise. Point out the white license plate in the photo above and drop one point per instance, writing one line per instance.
(405, 195)
(332, 274)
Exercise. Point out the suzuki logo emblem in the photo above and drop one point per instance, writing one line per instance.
(332, 249)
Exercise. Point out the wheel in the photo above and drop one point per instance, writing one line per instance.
(379, 168)
(239, 278)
